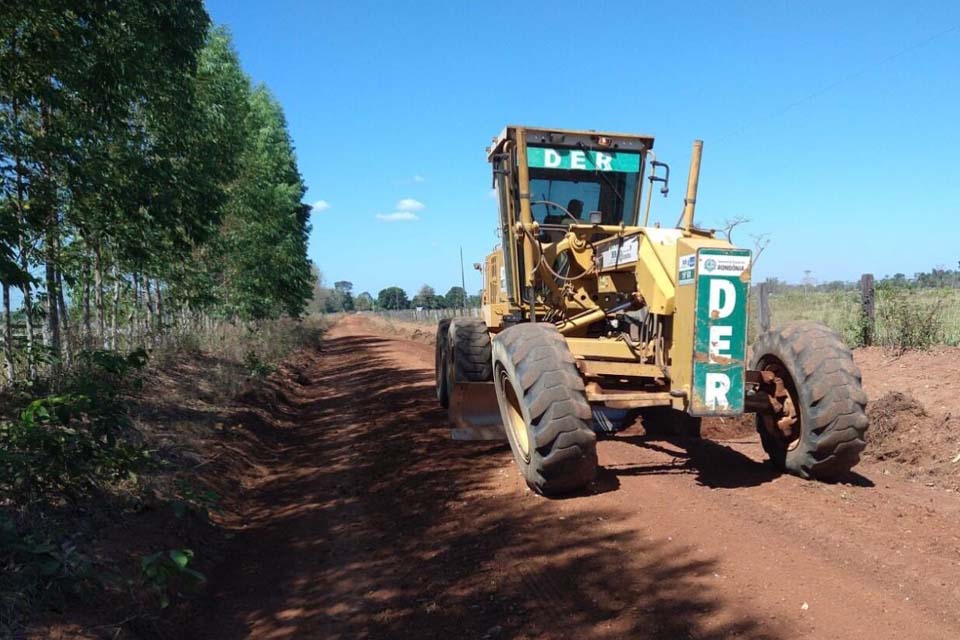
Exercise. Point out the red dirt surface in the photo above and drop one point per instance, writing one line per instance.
(363, 519)
(932, 377)
(914, 413)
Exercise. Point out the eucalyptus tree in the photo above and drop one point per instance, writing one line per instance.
(74, 77)
(264, 240)
(139, 174)
(218, 137)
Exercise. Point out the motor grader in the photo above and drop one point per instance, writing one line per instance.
(593, 318)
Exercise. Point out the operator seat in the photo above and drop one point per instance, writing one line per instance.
(557, 217)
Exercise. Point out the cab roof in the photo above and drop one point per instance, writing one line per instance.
(571, 138)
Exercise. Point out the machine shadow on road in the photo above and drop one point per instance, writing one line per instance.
(715, 465)
(370, 522)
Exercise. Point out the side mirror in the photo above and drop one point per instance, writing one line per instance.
(665, 189)
(653, 177)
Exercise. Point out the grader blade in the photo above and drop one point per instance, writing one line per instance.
(474, 412)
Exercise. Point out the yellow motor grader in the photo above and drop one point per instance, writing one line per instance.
(592, 317)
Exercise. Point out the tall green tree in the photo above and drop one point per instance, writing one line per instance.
(392, 298)
(343, 292)
(142, 179)
(364, 302)
(218, 138)
(266, 229)
(77, 79)
(427, 298)
(456, 298)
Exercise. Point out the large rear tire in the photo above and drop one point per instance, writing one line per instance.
(825, 397)
(440, 362)
(544, 408)
(468, 352)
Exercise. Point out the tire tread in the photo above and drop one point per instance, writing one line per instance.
(829, 389)
(563, 455)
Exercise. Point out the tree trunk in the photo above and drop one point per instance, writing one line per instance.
(63, 316)
(87, 325)
(28, 315)
(158, 305)
(133, 319)
(52, 334)
(98, 292)
(47, 206)
(7, 335)
(114, 320)
(148, 303)
(24, 244)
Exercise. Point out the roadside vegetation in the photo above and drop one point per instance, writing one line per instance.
(150, 221)
(911, 313)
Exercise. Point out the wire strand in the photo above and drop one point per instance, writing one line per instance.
(836, 83)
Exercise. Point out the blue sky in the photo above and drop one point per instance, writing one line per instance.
(833, 126)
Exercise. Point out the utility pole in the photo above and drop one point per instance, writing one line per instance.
(463, 284)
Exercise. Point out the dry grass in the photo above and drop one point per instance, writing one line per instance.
(839, 310)
(242, 351)
(905, 318)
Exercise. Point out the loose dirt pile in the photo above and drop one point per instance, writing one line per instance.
(907, 439)
(422, 332)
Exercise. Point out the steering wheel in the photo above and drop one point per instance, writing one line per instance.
(549, 203)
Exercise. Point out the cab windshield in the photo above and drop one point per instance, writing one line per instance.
(582, 182)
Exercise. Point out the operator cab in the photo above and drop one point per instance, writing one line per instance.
(557, 178)
(582, 186)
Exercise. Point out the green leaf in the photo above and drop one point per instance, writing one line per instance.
(181, 557)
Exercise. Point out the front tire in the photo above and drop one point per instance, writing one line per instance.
(825, 397)
(440, 363)
(544, 408)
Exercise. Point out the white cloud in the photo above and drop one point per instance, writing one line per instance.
(409, 204)
(397, 216)
(321, 205)
(492, 194)
(419, 178)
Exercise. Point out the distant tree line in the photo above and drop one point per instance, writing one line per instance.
(144, 182)
(341, 298)
(936, 278)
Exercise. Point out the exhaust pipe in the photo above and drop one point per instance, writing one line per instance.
(693, 180)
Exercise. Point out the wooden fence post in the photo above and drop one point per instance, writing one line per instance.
(764, 306)
(868, 309)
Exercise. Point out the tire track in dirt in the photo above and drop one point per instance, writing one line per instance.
(371, 523)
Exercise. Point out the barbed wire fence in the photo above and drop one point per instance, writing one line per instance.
(880, 316)
(427, 316)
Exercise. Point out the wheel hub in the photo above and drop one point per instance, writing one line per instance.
(784, 421)
(515, 422)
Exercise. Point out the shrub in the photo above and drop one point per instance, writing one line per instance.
(68, 445)
(906, 319)
(166, 572)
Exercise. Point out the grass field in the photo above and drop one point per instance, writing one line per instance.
(904, 317)
(922, 316)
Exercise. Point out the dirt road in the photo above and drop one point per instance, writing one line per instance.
(366, 521)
